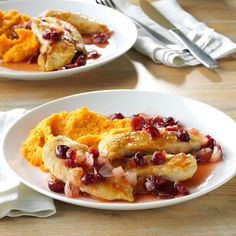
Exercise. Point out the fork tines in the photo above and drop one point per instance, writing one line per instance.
(108, 3)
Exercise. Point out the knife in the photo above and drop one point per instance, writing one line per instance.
(196, 51)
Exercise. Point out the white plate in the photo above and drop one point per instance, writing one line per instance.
(191, 113)
(123, 38)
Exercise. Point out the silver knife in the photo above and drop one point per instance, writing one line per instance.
(196, 51)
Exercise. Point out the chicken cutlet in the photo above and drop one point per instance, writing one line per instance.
(108, 189)
(83, 23)
(59, 42)
(115, 146)
(177, 167)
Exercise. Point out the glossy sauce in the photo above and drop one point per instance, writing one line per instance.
(199, 178)
(21, 66)
(25, 66)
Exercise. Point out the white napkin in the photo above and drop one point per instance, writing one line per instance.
(15, 198)
(215, 44)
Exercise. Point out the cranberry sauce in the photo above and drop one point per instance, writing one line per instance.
(160, 187)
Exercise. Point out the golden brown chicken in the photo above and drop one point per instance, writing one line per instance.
(108, 189)
(83, 23)
(115, 146)
(59, 42)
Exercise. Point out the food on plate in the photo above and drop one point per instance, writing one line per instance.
(59, 43)
(116, 157)
(115, 146)
(56, 40)
(83, 23)
(78, 177)
(81, 125)
(16, 50)
(177, 167)
(9, 20)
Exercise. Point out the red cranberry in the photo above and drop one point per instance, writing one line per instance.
(172, 128)
(88, 178)
(70, 154)
(94, 152)
(210, 142)
(56, 185)
(163, 187)
(93, 55)
(138, 158)
(169, 121)
(137, 123)
(33, 60)
(183, 135)
(203, 155)
(51, 34)
(158, 158)
(152, 131)
(61, 151)
(70, 163)
(157, 120)
(81, 60)
(181, 188)
(100, 38)
(77, 54)
(166, 189)
(117, 116)
(47, 34)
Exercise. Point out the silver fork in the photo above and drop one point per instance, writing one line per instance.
(157, 37)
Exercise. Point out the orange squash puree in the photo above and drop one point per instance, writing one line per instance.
(23, 45)
(81, 125)
(20, 49)
(10, 19)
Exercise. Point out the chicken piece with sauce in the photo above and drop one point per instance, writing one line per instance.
(108, 189)
(83, 23)
(59, 42)
(115, 146)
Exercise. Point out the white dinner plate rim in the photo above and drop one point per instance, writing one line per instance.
(111, 205)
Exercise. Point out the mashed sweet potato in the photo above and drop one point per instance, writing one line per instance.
(80, 125)
(23, 45)
(9, 20)
(20, 49)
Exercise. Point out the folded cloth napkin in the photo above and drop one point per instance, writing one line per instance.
(215, 44)
(15, 198)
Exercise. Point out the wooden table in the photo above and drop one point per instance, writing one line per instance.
(212, 214)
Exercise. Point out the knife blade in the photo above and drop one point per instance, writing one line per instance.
(196, 51)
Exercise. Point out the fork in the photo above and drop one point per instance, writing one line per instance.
(155, 36)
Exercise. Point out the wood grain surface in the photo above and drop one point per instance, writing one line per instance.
(213, 214)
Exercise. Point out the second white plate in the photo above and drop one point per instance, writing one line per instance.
(123, 38)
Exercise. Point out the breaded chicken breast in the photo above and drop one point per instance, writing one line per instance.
(115, 146)
(59, 42)
(177, 167)
(56, 165)
(83, 23)
(108, 189)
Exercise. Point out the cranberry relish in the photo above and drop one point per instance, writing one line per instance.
(80, 59)
(154, 185)
(95, 170)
